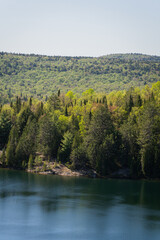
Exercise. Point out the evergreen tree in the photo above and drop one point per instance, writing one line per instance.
(27, 142)
(18, 104)
(30, 162)
(90, 115)
(11, 147)
(23, 118)
(65, 147)
(59, 93)
(5, 127)
(30, 102)
(139, 101)
(79, 158)
(54, 102)
(66, 111)
(100, 142)
(149, 125)
(131, 104)
(130, 155)
(48, 138)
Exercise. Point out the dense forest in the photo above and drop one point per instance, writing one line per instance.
(120, 130)
(39, 76)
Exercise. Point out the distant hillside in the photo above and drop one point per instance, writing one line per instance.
(133, 56)
(37, 75)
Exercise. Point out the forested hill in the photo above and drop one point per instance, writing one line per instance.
(40, 76)
(134, 57)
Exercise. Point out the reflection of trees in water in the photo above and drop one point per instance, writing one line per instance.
(5, 194)
(56, 192)
(141, 193)
(70, 192)
(102, 194)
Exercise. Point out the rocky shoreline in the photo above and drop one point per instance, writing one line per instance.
(55, 168)
(61, 170)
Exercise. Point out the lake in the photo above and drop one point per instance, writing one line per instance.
(53, 207)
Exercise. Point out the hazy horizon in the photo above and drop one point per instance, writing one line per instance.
(91, 28)
(48, 55)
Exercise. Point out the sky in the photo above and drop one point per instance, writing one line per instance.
(80, 27)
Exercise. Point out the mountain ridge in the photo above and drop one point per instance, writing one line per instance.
(40, 76)
(110, 55)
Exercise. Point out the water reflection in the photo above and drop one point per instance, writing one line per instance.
(78, 208)
(86, 192)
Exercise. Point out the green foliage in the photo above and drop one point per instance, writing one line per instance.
(92, 134)
(100, 141)
(26, 143)
(40, 76)
(30, 162)
(65, 147)
(48, 138)
(5, 126)
(54, 102)
(11, 160)
(44, 167)
(149, 139)
(70, 95)
(38, 161)
(130, 147)
(79, 158)
(23, 118)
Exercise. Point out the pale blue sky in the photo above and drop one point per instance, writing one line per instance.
(80, 27)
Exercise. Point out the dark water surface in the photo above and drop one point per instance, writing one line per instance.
(53, 207)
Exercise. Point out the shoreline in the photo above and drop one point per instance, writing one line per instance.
(80, 173)
(59, 169)
(62, 170)
(54, 168)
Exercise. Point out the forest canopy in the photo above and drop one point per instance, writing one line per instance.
(104, 132)
(39, 76)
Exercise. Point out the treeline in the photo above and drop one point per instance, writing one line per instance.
(106, 133)
(39, 76)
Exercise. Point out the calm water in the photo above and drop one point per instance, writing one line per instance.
(52, 207)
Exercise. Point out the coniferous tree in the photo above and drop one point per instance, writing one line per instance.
(131, 104)
(65, 147)
(18, 104)
(139, 101)
(149, 125)
(48, 138)
(30, 102)
(5, 127)
(11, 147)
(59, 93)
(100, 141)
(130, 147)
(41, 105)
(27, 142)
(30, 162)
(90, 115)
(66, 111)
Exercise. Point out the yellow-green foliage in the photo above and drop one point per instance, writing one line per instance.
(40, 76)
(94, 130)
